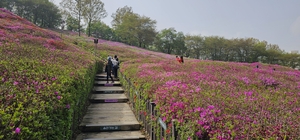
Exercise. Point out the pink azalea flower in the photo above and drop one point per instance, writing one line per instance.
(16, 83)
(68, 106)
(18, 130)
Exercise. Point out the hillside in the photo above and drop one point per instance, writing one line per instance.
(44, 80)
(221, 100)
(44, 75)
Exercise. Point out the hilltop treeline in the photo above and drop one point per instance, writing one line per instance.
(133, 29)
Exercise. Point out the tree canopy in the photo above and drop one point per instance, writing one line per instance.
(132, 28)
(40, 12)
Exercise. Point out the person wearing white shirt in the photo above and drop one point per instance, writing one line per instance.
(114, 66)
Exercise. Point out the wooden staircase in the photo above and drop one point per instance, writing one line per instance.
(109, 116)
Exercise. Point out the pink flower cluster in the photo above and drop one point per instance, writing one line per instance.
(221, 100)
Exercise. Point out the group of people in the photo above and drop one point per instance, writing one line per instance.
(179, 59)
(112, 66)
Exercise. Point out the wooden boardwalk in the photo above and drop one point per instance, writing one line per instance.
(109, 116)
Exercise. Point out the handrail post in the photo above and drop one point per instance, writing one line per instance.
(153, 113)
(174, 130)
(139, 110)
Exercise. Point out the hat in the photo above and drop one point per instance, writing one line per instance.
(109, 58)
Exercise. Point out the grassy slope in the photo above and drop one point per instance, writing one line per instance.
(216, 99)
(43, 75)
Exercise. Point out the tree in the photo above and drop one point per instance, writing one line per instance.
(290, 59)
(133, 29)
(258, 51)
(41, 12)
(93, 11)
(119, 15)
(75, 8)
(64, 16)
(8, 4)
(48, 15)
(145, 32)
(101, 30)
(72, 24)
(194, 45)
(213, 47)
(124, 20)
(165, 40)
(127, 30)
(273, 53)
(179, 45)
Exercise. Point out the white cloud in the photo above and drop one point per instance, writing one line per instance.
(295, 27)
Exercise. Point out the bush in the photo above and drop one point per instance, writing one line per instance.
(213, 99)
(45, 81)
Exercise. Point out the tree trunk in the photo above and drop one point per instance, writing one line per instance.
(89, 28)
(90, 20)
(79, 24)
(79, 13)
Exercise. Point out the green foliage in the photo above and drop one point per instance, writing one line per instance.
(93, 11)
(194, 45)
(99, 29)
(74, 8)
(40, 12)
(40, 115)
(169, 41)
(132, 28)
(72, 24)
(44, 80)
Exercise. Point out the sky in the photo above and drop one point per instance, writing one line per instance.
(275, 21)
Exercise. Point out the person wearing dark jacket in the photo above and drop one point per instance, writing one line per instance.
(108, 69)
(181, 58)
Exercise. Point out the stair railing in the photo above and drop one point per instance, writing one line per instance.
(149, 118)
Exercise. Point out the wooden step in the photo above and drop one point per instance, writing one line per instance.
(103, 116)
(118, 126)
(108, 90)
(103, 83)
(126, 123)
(109, 117)
(108, 98)
(92, 122)
(123, 113)
(117, 135)
(102, 75)
(104, 79)
(106, 109)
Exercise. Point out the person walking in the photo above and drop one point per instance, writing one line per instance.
(181, 59)
(116, 66)
(108, 68)
(178, 59)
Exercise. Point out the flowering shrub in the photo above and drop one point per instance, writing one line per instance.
(216, 100)
(44, 76)
(44, 80)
